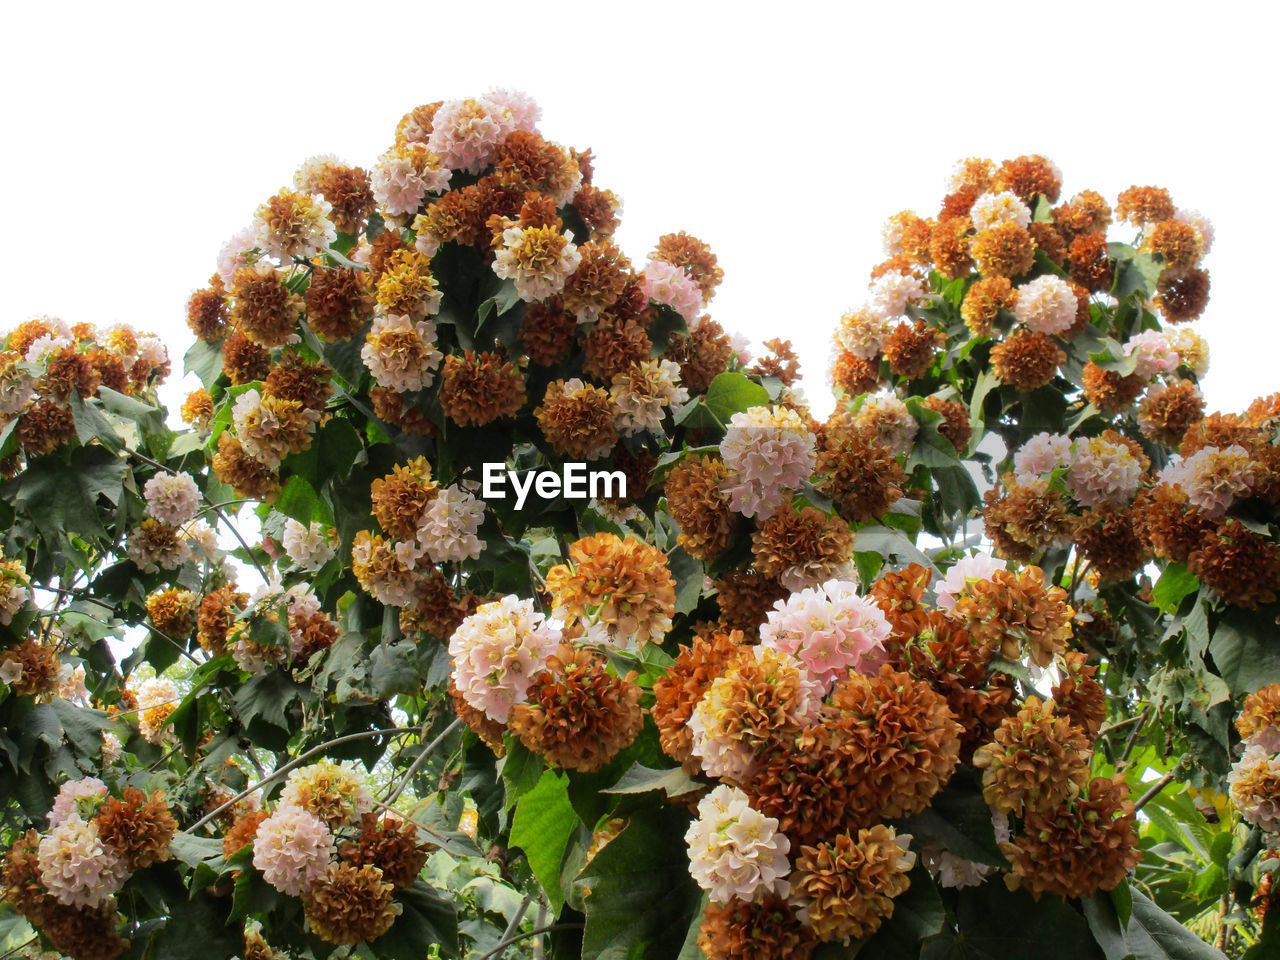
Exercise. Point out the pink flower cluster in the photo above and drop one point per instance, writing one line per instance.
(497, 651)
(769, 452)
(964, 571)
(66, 802)
(736, 852)
(668, 284)
(1213, 478)
(465, 133)
(1102, 471)
(172, 498)
(830, 630)
(292, 848)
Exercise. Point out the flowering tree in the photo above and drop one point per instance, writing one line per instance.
(349, 668)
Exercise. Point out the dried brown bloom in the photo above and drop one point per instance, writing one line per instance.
(1014, 613)
(292, 378)
(599, 280)
(598, 209)
(391, 845)
(983, 303)
(578, 716)
(625, 584)
(1049, 242)
(780, 362)
(84, 933)
(44, 426)
(745, 598)
(577, 420)
(110, 370)
(137, 827)
(217, 613)
(801, 779)
(245, 475)
(1143, 205)
(678, 691)
(388, 406)
(1087, 212)
(900, 596)
(407, 286)
(1027, 360)
(910, 349)
(242, 832)
(1108, 540)
(533, 163)
(1037, 760)
(350, 904)
(262, 307)
(243, 361)
(1108, 390)
(959, 203)
(66, 370)
(197, 409)
(954, 424)
(476, 389)
(20, 884)
(547, 331)
(703, 355)
(1242, 567)
(39, 668)
(173, 612)
(949, 243)
(766, 929)
(29, 331)
(1006, 250)
(1030, 177)
(861, 476)
(695, 502)
(489, 731)
(402, 497)
(897, 737)
(1091, 266)
(1079, 848)
(1177, 242)
(1026, 518)
(1260, 712)
(806, 542)
(1079, 695)
(436, 610)
(696, 257)
(1166, 414)
(613, 347)
(1182, 296)
(349, 192)
(848, 883)
(207, 314)
(340, 301)
(854, 375)
(1166, 522)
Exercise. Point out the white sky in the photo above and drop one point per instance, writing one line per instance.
(138, 139)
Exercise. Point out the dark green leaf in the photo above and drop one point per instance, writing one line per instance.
(82, 726)
(543, 823)
(917, 914)
(426, 918)
(205, 361)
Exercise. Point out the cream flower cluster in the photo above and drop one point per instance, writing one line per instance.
(448, 528)
(77, 867)
(769, 452)
(401, 353)
(892, 292)
(308, 546)
(645, 393)
(538, 265)
(966, 570)
(1213, 478)
(736, 852)
(497, 651)
(1102, 471)
(1252, 783)
(996, 209)
(13, 589)
(172, 498)
(1046, 305)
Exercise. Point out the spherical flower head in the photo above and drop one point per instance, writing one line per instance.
(310, 173)
(537, 259)
(294, 224)
(1192, 350)
(1041, 455)
(668, 284)
(1202, 225)
(829, 629)
(76, 867)
(1046, 305)
(1214, 478)
(892, 291)
(1259, 719)
(401, 353)
(13, 589)
(44, 347)
(524, 110)
(1154, 353)
(893, 230)
(172, 498)
(153, 545)
(993, 209)
(762, 692)
(887, 419)
(334, 792)
(67, 801)
(1254, 783)
(644, 393)
(862, 332)
(157, 698)
(621, 588)
(17, 386)
(292, 848)
(270, 428)
(308, 546)
(1102, 471)
(465, 133)
(449, 526)
(769, 452)
(845, 886)
(497, 651)
(240, 251)
(71, 685)
(404, 176)
(963, 572)
(735, 852)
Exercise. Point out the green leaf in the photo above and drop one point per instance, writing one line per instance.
(917, 914)
(641, 779)
(543, 823)
(62, 498)
(92, 425)
(391, 669)
(197, 930)
(959, 820)
(205, 361)
(889, 542)
(1244, 651)
(638, 894)
(521, 770)
(194, 851)
(1151, 933)
(426, 918)
(732, 393)
(298, 499)
(1010, 925)
(83, 727)
(267, 697)
(688, 574)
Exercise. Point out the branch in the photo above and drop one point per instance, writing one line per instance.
(420, 760)
(526, 935)
(1155, 789)
(293, 765)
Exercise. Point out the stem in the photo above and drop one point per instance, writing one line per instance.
(22, 946)
(1133, 736)
(247, 549)
(515, 921)
(420, 760)
(538, 921)
(1155, 789)
(526, 935)
(293, 765)
(1120, 725)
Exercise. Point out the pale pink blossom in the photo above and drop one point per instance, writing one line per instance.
(1214, 478)
(966, 570)
(1046, 305)
(769, 452)
(308, 546)
(524, 110)
(390, 363)
(1256, 766)
(829, 629)
(892, 291)
(668, 284)
(71, 685)
(644, 393)
(172, 498)
(1153, 352)
(497, 651)
(292, 848)
(996, 209)
(66, 802)
(889, 421)
(239, 251)
(862, 332)
(1102, 471)
(736, 852)
(1041, 455)
(77, 867)
(1200, 224)
(448, 528)
(465, 133)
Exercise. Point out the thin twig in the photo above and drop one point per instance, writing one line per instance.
(420, 759)
(1119, 725)
(526, 935)
(1155, 788)
(1133, 736)
(22, 946)
(293, 765)
(247, 549)
(515, 921)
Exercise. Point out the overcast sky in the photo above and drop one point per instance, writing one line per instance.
(136, 143)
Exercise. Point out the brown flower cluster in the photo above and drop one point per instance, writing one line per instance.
(623, 584)
(678, 690)
(765, 928)
(911, 348)
(847, 884)
(1026, 518)
(402, 497)
(173, 611)
(479, 388)
(1027, 360)
(862, 477)
(577, 420)
(1015, 614)
(245, 475)
(707, 524)
(390, 844)
(1038, 760)
(39, 663)
(137, 827)
(350, 904)
(702, 355)
(806, 544)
